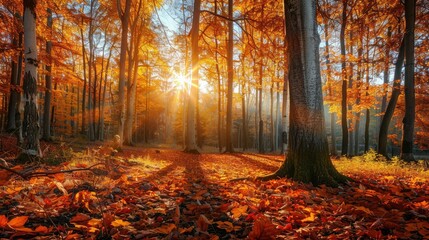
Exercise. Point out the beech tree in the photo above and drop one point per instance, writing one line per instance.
(30, 123)
(307, 157)
(410, 98)
(190, 140)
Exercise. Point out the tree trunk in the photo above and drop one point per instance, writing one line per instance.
(30, 125)
(410, 98)
(396, 91)
(15, 81)
(308, 154)
(124, 16)
(344, 128)
(191, 145)
(228, 144)
(358, 97)
(329, 84)
(84, 112)
(48, 83)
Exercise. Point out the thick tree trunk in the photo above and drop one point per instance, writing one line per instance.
(230, 51)
(30, 125)
(396, 91)
(308, 154)
(48, 84)
(191, 145)
(124, 16)
(344, 127)
(410, 98)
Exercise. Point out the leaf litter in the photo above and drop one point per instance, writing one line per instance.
(168, 194)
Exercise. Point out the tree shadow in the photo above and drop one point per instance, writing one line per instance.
(260, 165)
(264, 156)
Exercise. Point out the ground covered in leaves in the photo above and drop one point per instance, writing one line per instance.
(167, 194)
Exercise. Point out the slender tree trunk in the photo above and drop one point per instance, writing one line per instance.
(396, 91)
(191, 145)
(30, 125)
(368, 117)
(228, 144)
(410, 98)
(84, 112)
(344, 127)
(358, 97)
(48, 83)
(15, 81)
(272, 117)
(124, 15)
(329, 84)
(349, 106)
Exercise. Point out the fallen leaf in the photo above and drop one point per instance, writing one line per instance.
(41, 229)
(165, 229)
(263, 229)
(3, 221)
(18, 222)
(80, 217)
(238, 211)
(120, 223)
(311, 218)
(203, 223)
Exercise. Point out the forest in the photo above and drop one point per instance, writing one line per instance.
(215, 119)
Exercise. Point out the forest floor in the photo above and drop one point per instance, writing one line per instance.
(156, 193)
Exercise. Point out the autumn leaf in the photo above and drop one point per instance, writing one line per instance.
(227, 226)
(41, 229)
(120, 223)
(239, 211)
(80, 217)
(203, 223)
(165, 229)
(3, 221)
(263, 229)
(311, 218)
(18, 222)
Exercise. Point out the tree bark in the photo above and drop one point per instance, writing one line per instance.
(15, 81)
(124, 17)
(396, 91)
(344, 127)
(48, 83)
(30, 125)
(308, 154)
(230, 51)
(410, 98)
(191, 145)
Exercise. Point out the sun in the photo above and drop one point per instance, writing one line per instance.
(181, 82)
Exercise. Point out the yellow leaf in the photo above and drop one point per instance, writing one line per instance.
(18, 222)
(3, 221)
(94, 222)
(120, 223)
(364, 209)
(309, 219)
(165, 229)
(237, 212)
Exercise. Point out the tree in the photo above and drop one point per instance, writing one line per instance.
(48, 83)
(396, 90)
(30, 124)
(190, 144)
(344, 128)
(308, 154)
(410, 98)
(124, 16)
(228, 144)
